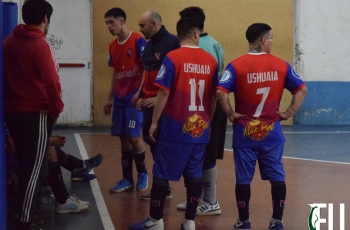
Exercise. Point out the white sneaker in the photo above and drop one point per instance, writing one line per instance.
(73, 196)
(148, 224)
(72, 205)
(182, 206)
(188, 225)
(205, 208)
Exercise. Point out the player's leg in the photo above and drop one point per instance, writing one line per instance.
(134, 121)
(147, 121)
(245, 161)
(118, 129)
(30, 133)
(271, 168)
(168, 165)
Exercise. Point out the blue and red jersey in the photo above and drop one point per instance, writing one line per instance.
(258, 81)
(190, 75)
(126, 58)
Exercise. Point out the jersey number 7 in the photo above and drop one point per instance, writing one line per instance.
(265, 92)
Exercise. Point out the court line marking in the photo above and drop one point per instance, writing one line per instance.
(302, 132)
(307, 159)
(101, 205)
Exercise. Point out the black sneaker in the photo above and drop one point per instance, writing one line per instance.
(82, 176)
(93, 162)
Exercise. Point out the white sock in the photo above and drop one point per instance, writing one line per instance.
(209, 177)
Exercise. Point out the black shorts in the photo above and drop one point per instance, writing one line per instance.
(215, 147)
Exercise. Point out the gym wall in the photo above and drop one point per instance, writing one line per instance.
(226, 21)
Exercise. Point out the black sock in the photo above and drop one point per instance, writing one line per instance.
(127, 159)
(160, 188)
(68, 161)
(242, 199)
(140, 162)
(278, 192)
(194, 191)
(57, 184)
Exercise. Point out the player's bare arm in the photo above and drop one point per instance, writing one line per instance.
(135, 100)
(149, 102)
(296, 102)
(108, 106)
(226, 105)
(161, 100)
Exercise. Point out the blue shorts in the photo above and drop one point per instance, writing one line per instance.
(126, 121)
(268, 157)
(175, 159)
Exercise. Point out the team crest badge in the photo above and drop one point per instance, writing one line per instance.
(195, 126)
(129, 52)
(257, 130)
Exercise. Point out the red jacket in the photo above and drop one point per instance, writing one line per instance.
(31, 81)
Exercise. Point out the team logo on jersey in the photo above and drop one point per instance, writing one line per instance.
(225, 77)
(129, 53)
(257, 130)
(161, 72)
(195, 125)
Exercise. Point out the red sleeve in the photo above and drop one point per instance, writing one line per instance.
(48, 68)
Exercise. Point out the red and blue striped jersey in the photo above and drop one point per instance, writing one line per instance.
(126, 58)
(258, 81)
(190, 75)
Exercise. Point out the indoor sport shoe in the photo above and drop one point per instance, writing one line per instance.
(142, 182)
(93, 162)
(123, 185)
(182, 206)
(76, 199)
(188, 225)
(82, 175)
(205, 208)
(148, 224)
(245, 224)
(148, 196)
(276, 224)
(72, 205)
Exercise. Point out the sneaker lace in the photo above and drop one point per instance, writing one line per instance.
(74, 198)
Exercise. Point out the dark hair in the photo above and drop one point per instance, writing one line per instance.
(116, 13)
(185, 26)
(195, 13)
(256, 31)
(34, 11)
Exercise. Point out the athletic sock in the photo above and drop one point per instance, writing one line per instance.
(193, 190)
(140, 161)
(278, 192)
(242, 199)
(68, 161)
(209, 177)
(57, 184)
(159, 191)
(127, 159)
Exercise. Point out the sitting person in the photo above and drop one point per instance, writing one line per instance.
(79, 168)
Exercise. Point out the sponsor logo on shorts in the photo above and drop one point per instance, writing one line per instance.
(257, 130)
(195, 126)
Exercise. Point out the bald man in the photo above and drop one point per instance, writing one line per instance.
(159, 44)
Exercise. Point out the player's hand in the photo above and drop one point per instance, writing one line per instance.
(234, 116)
(153, 132)
(108, 107)
(57, 141)
(149, 102)
(139, 104)
(284, 115)
(135, 98)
